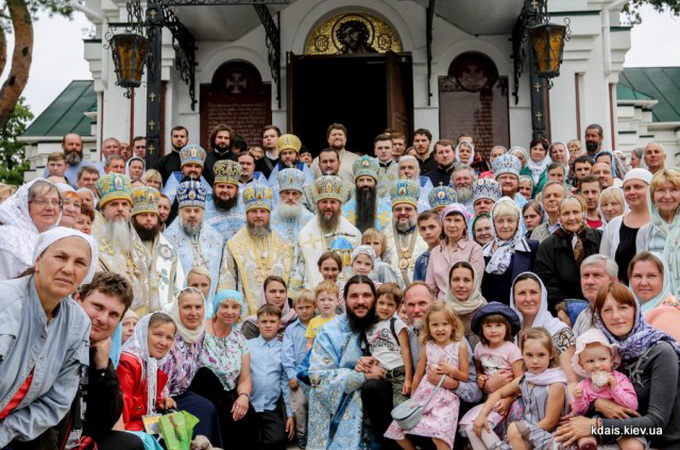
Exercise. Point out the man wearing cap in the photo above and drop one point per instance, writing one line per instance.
(192, 159)
(290, 215)
(485, 193)
(336, 135)
(405, 239)
(120, 249)
(197, 243)
(440, 197)
(366, 209)
(254, 253)
(164, 262)
(224, 208)
(506, 170)
(288, 146)
(327, 231)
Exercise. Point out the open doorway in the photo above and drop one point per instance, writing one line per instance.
(366, 93)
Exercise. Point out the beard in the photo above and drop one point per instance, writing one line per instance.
(225, 205)
(405, 227)
(287, 211)
(365, 209)
(119, 234)
(592, 147)
(259, 231)
(190, 229)
(146, 234)
(361, 324)
(221, 148)
(74, 158)
(328, 224)
(464, 194)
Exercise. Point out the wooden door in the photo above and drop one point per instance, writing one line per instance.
(399, 92)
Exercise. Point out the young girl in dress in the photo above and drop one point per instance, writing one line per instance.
(496, 325)
(139, 370)
(595, 360)
(442, 353)
(543, 390)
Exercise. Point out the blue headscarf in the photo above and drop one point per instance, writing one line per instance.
(666, 290)
(228, 294)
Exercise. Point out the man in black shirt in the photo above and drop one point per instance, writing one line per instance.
(421, 144)
(266, 164)
(179, 137)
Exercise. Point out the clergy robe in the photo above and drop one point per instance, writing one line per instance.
(334, 356)
(314, 243)
(205, 251)
(383, 215)
(169, 272)
(241, 269)
(225, 222)
(405, 261)
(346, 171)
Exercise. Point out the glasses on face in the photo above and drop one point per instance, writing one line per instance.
(44, 202)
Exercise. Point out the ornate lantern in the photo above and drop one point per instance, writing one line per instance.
(547, 44)
(129, 52)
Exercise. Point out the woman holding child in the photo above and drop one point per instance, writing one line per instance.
(650, 360)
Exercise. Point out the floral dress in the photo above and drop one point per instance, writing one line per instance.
(441, 416)
(222, 355)
(182, 364)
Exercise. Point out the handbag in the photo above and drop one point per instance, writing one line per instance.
(408, 414)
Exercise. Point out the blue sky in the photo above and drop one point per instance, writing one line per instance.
(656, 42)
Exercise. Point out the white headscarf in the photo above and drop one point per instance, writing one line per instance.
(472, 155)
(474, 301)
(189, 336)
(543, 317)
(138, 346)
(538, 167)
(501, 256)
(14, 211)
(127, 167)
(53, 235)
(567, 156)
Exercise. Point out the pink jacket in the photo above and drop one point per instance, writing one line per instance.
(623, 394)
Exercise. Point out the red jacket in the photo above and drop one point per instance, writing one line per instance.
(134, 390)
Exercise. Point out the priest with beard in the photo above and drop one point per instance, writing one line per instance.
(197, 243)
(192, 163)
(221, 137)
(120, 249)
(327, 231)
(339, 371)
(224, 208)
(408, 168)
(254, 253)
(164, 262)
(366, 209)
(406, 239)
(462, 179)
(72, 145)
(290, 215)
(288, 146)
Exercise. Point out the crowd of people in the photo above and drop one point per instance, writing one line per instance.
(423, 296)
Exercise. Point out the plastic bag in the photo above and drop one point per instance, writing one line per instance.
(177, 429)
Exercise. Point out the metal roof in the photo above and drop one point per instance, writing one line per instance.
(659, 83)
(66, 114)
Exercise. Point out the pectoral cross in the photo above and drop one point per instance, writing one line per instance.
(538, 87)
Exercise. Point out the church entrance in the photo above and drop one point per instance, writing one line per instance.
(367, 93)
(354, 72)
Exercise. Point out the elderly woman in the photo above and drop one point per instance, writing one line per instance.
(274, 292)
(537, 164)
(521, 154)
(526, 186)
(508, 254)
(529, 299)
(620, 234)
(71, 202)
(34, 209)
(611, 204)
(455, 246)
(44, 335)
(464, 294)
(465, 155)
(153, 178)
(183, 361)
(650, 360)
(662, 234)
(559, 257)
(224, 375)
(652, 289)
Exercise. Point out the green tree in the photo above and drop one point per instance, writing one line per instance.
(13, 161)
(633, 8)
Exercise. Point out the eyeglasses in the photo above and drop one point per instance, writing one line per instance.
(43, 203)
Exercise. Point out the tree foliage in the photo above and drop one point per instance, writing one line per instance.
(633, 8)
(13, 161)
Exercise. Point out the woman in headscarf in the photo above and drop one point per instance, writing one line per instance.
(464, 294)
(652, 288)
(537, 164)
(482, 230)
(529, 299)
(455, 246)
(558, 261)
(650, 360)
(44, 335)
(134, 168)
(620, 234)
(560, 154)
(662, 234)
(139, 370)
(224, 376)
(188, 311)
(274, 292)
(70, 209)
(521, 154)
(33, 209)
(465, 155)
(508, 254)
